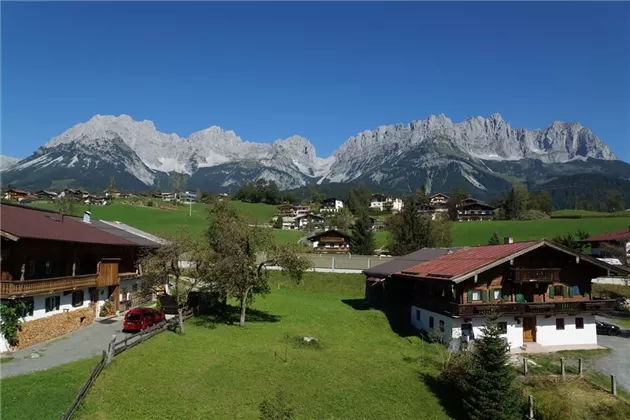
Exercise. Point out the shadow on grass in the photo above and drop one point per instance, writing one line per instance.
(445, 394)
(397, 316)
(230, 315)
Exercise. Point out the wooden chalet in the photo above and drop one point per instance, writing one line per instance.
(15, 194)
(331, 241)
(540, 290)
(472, 209)
(438, 199)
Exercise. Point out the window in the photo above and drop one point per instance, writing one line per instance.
(441, 326)
(417, 314)
(52, 303)
(558, 291)
(575, 291)
(502, 327)
(431, 322)
(30, 268)
(579, 323)
(48, 266)
(476, 295)
(559, 323)
(467, 330)
(77, 298)
(496, 294)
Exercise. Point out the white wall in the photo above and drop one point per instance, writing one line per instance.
(423, 323)
(548, 335)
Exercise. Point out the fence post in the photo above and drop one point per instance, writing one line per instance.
(531, 408)
(562, 366)
(524, 366)
(580, 367)
(613, 385)
(333, 263)
(369, 263)
(110, 350)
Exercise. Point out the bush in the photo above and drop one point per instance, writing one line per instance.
(150, 203)
(533, 215)
(107, 309)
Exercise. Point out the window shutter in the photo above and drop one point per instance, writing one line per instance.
(551, 291)
(506, 298)
(565, 291)
(519, 298)
(484, 295)
(57, 301)
(570, 291)
(469, 296)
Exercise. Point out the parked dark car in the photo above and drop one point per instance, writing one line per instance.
(607, 329)
(139, 319)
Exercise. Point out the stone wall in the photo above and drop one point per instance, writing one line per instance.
(50, 327)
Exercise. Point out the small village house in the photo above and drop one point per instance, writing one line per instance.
(302, 221)
(382, 202)
(46, 195)
(541, 292)
(331, 205)
(472, 209)
(331, 241)
(65, 268)
(439, 199)
(15, 194)
(605, 246)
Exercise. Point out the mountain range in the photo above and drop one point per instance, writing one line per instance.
(485, 155)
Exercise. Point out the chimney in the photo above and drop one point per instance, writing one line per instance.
(87, 217)
(508, 240)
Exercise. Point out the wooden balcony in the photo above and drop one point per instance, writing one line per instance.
(21, 288)
(535, 275)
(518, 309)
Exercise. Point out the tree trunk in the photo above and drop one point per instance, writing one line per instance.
(180, 318)
(243, 307)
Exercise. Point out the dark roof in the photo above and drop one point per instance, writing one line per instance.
(316, 236)
(404, 262)
(476, 203)
(27, 222)
(619, 235)
(128, 233)
(469, 261)
(437, 194)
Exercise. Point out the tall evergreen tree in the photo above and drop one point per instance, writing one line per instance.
(277, 224)
(362, 236)
(409, 230)
(492, 394)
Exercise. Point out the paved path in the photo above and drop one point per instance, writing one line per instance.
(84, 343)
(618, 362)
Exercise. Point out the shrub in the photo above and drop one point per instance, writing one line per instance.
(150, 203)
(10, 324)
(533, 215)
(107, 309)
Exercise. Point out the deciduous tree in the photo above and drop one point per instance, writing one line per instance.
(341, 220)
(242, 251)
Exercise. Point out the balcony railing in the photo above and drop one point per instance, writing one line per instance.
(533, 275)
(595, 306)
(12, 289)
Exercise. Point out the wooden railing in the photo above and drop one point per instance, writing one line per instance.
(9, 289)
(525, 275)
(594, 306)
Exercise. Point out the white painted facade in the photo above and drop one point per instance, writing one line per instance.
(331, 207)
(546, 332)
(395, 204)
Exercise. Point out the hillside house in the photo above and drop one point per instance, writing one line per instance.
(66, 265)
(382, 202)
(434, 211)
(15, 194)
(331, 205)
(439, 199)
(302, 221)
(540, 290)
(472, 209)
(46, 195)
(606, 246)
(331, 241)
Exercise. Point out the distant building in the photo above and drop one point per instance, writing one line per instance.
(438, 199)
(472, 209)
(331, 241)
(50, 195)
(303, 220)
(603, 246)
(15, 194)
(331, 205)
(384, 202)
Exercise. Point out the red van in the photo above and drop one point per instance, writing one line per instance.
(139, 319)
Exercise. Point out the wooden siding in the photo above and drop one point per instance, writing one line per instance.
(13, 289)
(108, 273)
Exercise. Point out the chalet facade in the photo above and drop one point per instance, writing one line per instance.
(438, 199)
(472, 209)
(60, 264)
(541, 292)
(331, 241)
(331, 205)
(302, 221)
(607, 246)
(15, 194)
(382, 202)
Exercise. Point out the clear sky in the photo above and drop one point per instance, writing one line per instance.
(325, 71)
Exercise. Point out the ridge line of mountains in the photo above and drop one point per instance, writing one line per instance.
(485, 155)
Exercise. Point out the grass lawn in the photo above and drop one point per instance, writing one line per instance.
(587, 213)
(44, 395)
(361, 369)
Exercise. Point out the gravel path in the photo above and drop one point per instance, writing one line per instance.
(84, 343)
(618, 362)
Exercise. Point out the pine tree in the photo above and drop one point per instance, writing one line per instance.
(362, 236)
(278, 223)
(494, 239)
(492, 394)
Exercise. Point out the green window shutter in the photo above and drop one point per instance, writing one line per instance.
(506, 298)
(570, 291)
(565, 291)
(469, 296)
(551, 291)
(519, 298)
(484, 295)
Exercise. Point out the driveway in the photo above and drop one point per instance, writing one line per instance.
(618, 361)
(81, 344)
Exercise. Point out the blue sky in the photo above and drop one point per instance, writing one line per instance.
(325, 71)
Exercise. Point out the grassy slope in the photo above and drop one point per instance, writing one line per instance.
(43, 395)
(218, 371)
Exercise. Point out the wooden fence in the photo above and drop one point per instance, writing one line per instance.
(114, 349)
